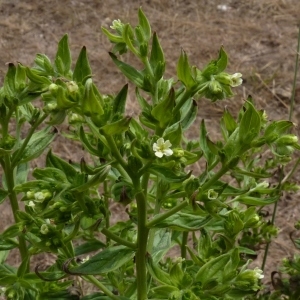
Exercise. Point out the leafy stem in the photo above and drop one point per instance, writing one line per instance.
(118, 239)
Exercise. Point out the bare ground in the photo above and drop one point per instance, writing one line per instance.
(260, 37)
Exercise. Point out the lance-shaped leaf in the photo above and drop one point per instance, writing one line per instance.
(249, 200)
(62, 101)
(91, 100)
(116, 127)
(189, 116)
(38, 143)
(9, 82)
(63, 58)
(181, 221)
(120, 101)
(8, 244)
(112, 37)
(86, 143)
(50, 174)
(58, 163)
(161, 244)
(95, 180)
(222, 60)
(131, 73)
(3, 195)
(250, 125)
(213, 269)
(36, 78)
(167, 174)
(184, 72)
(82, 68)
(144, 24)
(106, 261)
(162, 112)
(157, 273)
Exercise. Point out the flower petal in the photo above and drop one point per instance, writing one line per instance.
(168, 152)
(159, 154)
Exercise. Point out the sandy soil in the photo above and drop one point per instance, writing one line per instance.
(260, 37)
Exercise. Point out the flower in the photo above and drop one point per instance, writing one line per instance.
(236, 79)
(44, 229)
(258, 273)
(162, 148)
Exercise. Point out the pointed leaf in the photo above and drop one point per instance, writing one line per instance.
(184, 72)
(82, 68)
(120, 101)
(106, 261)
(63, 58)
(116, 127)
(145, 25)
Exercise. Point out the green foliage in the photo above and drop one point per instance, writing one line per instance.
(142, 162)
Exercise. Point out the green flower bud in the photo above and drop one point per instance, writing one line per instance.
(30, 194)
(178, 152)
(42, 195)
(224, 78)
(53, 89)
(287, 140)
(249, 279)
(215, 87)
(44, 229)
(212, 195)
(74, 118)
(72, 87)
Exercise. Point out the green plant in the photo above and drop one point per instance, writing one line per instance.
(143, 163)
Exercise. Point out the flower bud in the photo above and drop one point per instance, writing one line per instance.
(53, 89)
(44, 229)
(72, 87)
(287, 140)
(215, 87)
(223, 78)
(212, 195)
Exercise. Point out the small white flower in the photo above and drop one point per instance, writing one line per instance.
(236, 79)
(162, 148)
(258, 273)
(116, 24)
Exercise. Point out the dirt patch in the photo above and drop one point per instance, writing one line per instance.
(259, 36)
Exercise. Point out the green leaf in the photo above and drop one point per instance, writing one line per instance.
(162, 112)
(22, 173)
(38, 143)
(120, 101)
(222, 60)
(89, 246)
(86, 143)
(184, 72)
(56, 162)
(248, 200)
(167, 174)
(181, 221)
(204, 145)
(8, 244)
(112, 37)
(106, 261)
(161, 244)
(9, 87)
(23, 266)
(190, 116)
(116, 127)
(131, 73)
(39, 80)
(157, 55)
(144, 24)
(63, 58)
(82, 69)
(3, 195)
(173, 134)
(250, 125)
(229, 122)
(50, 174)
(213, 269)
(157, 273)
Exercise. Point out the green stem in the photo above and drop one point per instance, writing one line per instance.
(101, 286)
(19, 152)
(185, 235)
(10, 182)
(115, 151)
(157, 219)
(119, 240)
(142, 238)
(106, 203)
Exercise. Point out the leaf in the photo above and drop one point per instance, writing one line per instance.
(56, 162)
(222, 60)
(106, 261)
(3, 195)
(157, 273)
(204, 145)
(38, 143)
(190, 116)
(144, 24)
(50, 174)
(184, 222)
(112, 37)
(8, 244)
(212, 269)
(63, 58)
(248, 200)
(120, 101)
(184, 72)
(167, 174)
(82, 68)
(161, 244)
(162, 112)
(9, 87)
(131, 73)
(22, 173)
(89, 246)
(157, 54)
(250, 125)
(116, 127)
